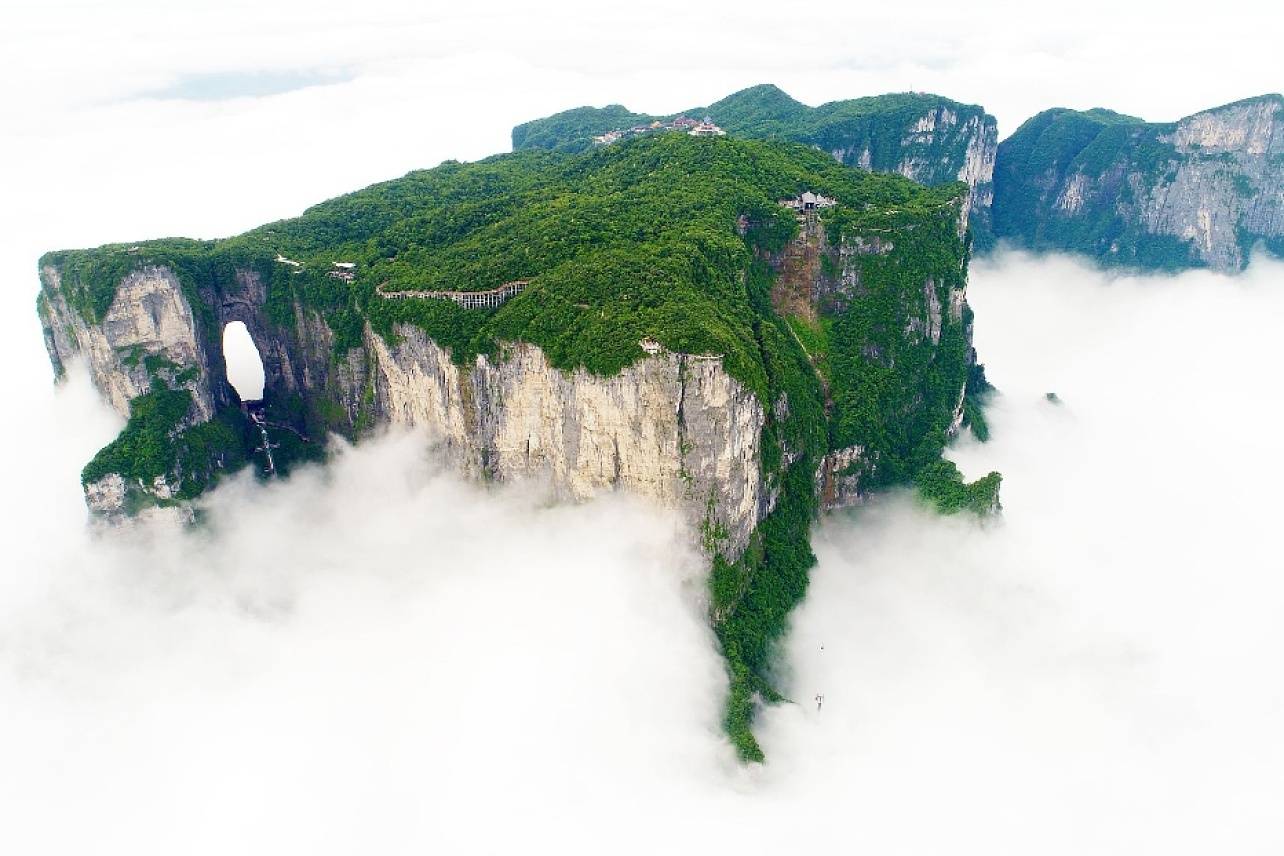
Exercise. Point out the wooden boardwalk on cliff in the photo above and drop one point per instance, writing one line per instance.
(490, 299)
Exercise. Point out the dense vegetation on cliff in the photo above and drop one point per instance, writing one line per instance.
(154, 443)
(927, 137)
(159, 441)
(1058, 143)
(632, 241)
(663, 237)
(877, 124)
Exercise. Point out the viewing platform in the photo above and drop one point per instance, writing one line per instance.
(808, 202)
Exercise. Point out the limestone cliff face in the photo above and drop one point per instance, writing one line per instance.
(157, 335)
(819, 278)
(1200, 192)
(148, 331)
(939, 143)
(151, 331)
(1228, 186)
(674, 427)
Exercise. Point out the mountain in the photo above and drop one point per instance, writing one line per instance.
(647, 316)
(1199, 192)
(926, 138)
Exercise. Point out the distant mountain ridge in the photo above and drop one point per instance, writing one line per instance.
(926, 138)
(1203, 191)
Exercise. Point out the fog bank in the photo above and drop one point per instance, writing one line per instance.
(374, 657)
(1097, 671)
(378, 657)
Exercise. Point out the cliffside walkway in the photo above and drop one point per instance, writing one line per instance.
(489, 299)
(257, 413)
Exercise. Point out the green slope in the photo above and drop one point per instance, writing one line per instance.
(877, 133)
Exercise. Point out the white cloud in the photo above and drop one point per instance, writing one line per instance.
(1096, 671)
(662, 57)
(372, 654)
(379, 656)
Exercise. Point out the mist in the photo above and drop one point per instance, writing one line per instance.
(375, 655)
(1097, 670)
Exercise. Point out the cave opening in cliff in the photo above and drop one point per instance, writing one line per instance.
(244, 363)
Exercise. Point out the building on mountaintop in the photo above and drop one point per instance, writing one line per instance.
(808, 201)
(346, 271)
(706, 129)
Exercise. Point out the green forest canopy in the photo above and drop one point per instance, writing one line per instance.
(620, 243)
(760, 112)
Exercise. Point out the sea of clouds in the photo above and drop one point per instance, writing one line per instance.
(376, 656)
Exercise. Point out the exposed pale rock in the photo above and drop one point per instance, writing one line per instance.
(940, 146)
(838, 478)
(673, 427)
(1203, 191)
(107, 495)
(108, 500)
(1229, 182)
(149, 317)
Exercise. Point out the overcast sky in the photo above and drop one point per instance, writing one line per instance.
(261, 108)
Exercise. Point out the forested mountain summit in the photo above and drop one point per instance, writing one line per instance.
(928, 138)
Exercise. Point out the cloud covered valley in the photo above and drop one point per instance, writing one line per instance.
(376, 656)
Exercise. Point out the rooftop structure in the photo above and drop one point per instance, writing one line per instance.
(346, 271)
(695, 128)
(707, 129)
(808, 201)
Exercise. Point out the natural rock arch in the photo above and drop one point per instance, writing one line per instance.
(244, 363)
